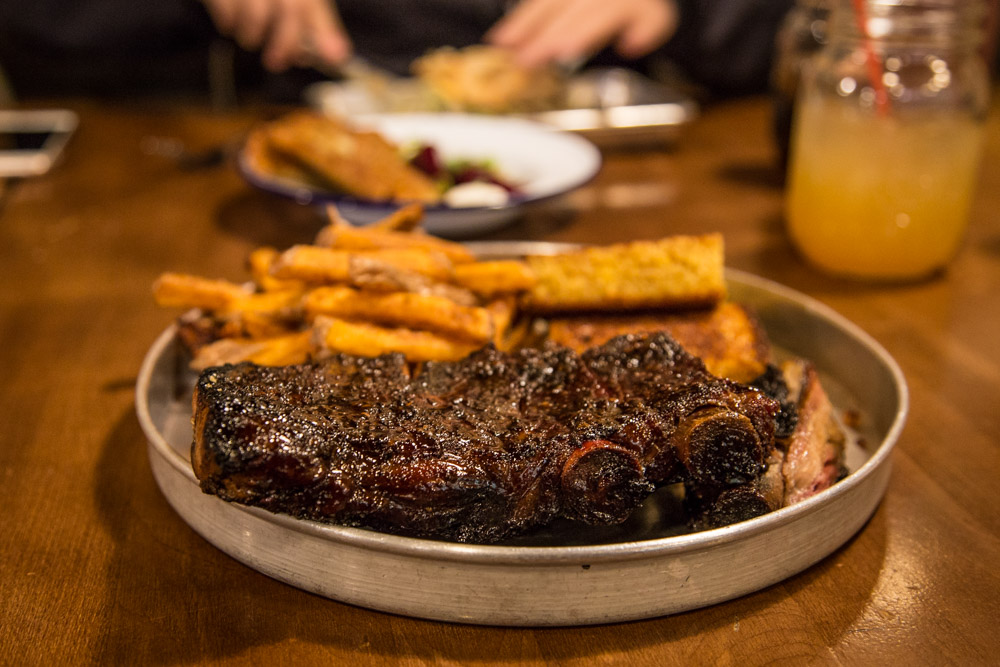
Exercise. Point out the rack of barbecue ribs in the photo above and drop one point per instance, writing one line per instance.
(497, 444)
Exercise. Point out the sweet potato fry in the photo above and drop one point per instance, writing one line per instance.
(312, 264)
(335, 221)
(502, 313)
(374, 276)
(327, 265)
(515, 336)
(180, 290)
(489, 279)
(262, 325)
(370, 340)
(285, 303)
(403, 309)
(260, 262)
(372, 238)
(294, 348)
(265, 314)
(404, 219)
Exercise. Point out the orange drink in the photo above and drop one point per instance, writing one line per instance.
(880, 196)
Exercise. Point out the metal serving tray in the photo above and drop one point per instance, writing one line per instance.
(613, 107)
(567, 575)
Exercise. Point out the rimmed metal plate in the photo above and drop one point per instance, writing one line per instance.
(568, 576)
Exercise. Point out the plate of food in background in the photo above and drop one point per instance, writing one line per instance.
(612, 106)
(471, 173)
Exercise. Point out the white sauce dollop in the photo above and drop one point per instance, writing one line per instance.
(476, 194)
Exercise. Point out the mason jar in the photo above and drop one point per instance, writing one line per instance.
(887, 138)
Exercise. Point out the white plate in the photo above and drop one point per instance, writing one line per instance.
(541, 160)
(567, 575)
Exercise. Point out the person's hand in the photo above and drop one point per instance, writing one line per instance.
(545, 31)
(287, 32)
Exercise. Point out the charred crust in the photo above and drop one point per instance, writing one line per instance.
(479, 449)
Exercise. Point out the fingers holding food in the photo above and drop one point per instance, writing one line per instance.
(544, 31)
(286, 32)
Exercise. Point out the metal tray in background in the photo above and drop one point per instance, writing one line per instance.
(613, 107)
(571, 575)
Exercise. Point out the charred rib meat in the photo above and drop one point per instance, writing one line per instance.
(480, 449)
(808, 456)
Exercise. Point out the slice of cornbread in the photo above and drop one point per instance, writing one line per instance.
(728, 338)
(674, 272)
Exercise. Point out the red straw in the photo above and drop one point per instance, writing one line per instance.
(874, 65)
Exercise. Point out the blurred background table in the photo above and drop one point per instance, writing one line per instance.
(95, 566)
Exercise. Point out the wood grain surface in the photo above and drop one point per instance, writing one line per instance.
(95, 567)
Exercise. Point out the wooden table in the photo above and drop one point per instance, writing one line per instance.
(96, 567)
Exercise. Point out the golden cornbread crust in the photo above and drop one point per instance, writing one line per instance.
(728, 337)
(670, 273)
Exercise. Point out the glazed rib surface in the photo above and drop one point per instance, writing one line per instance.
(479, 449)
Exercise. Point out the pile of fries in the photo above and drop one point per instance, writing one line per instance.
(388, 287)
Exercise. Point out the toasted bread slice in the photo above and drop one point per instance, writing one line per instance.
(671, 273)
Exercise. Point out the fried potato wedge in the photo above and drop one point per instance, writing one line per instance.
(370, 238)
(285, 303)
(181, 290)
(403, 309)
(264, 314)
(261, 261)
(490, 278)
(294, 348)
(370, 340)
(374, 276)
(403, 219)
(327, 265)
(502, 311)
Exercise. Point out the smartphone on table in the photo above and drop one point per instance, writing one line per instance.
(31, 141)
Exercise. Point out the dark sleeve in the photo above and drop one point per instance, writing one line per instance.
(51, 47)
(725, 46)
